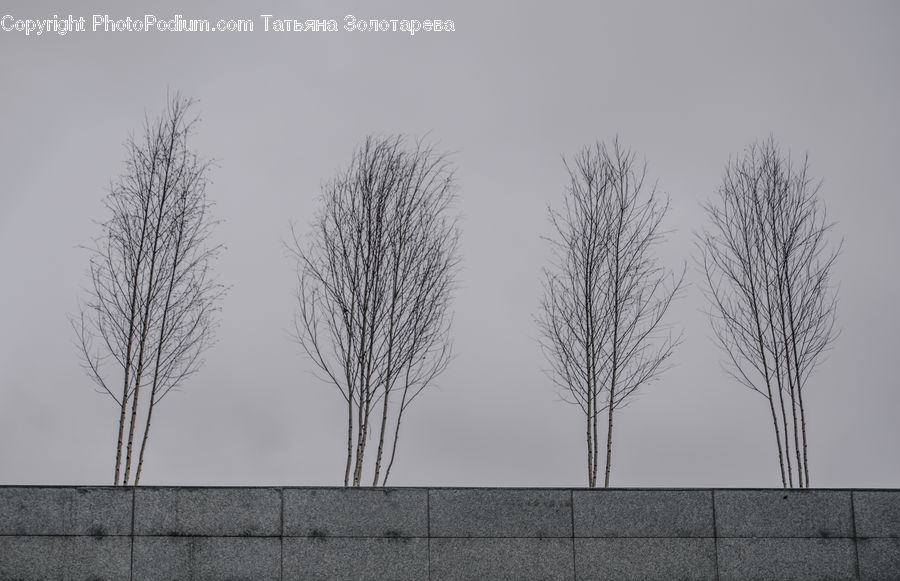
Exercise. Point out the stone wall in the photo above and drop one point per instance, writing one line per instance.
(151, 533)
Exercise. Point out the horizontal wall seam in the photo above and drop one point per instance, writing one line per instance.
(402, 537)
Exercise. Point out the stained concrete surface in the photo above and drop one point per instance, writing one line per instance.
(156, 533)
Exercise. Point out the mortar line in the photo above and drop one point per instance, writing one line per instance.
(428, 529)
(572, 515)
(855, 539)
(192, 555)
(715, 532)
(131, 564)
(281, 536)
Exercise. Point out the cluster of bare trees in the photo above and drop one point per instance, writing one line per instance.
(605, 296)
(152, 302)
(374, 289)
(377, 271)
(767, 265)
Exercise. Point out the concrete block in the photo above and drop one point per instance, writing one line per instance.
(783, 513)
(879, 558)
(96, 511)
(50, 558)
(234, 558)
(645, 559)
(643, 513)
(162, 558)
(501, 559)
(795, 559)
(500, 513)
(206, 558)
(207, 511)
(308, 558)
(877, 513)
(355, 512)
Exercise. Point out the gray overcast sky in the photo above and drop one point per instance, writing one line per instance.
(685, 84)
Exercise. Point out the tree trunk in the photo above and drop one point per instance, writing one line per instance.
(137, 476)
(121, 435)
(609, 435)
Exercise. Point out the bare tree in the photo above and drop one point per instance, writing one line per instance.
(152, 301)
(768, 268)
(375, 283)
(605, 296)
